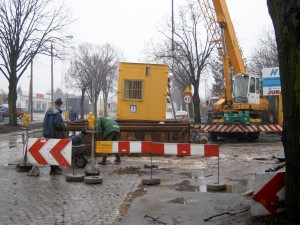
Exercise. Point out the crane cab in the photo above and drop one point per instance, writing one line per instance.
(246, 89)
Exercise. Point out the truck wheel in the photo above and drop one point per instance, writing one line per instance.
(80, 161)
(253, 136)
(213, 136)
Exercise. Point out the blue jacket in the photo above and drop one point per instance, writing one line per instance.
(54, 125)
(73, 116)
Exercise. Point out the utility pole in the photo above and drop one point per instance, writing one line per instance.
(173, 47)
(52, 102)
(31, 89)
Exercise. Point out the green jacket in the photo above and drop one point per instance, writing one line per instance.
(106, 125)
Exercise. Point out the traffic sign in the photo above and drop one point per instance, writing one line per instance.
(187, 98)
(187, 91)
(50, 151)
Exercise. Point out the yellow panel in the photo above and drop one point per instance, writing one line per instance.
(152, 105)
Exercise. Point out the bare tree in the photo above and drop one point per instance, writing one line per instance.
(27, 28)
(191, 50)
(109, 71)
(216, 69)
(76, 79)
(265, 54)
(286, 20)
(93, 70)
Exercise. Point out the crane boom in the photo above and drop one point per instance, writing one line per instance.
(231, 43)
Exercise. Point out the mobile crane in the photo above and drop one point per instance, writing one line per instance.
(238, 113)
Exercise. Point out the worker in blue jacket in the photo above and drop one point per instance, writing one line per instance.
(54, 127)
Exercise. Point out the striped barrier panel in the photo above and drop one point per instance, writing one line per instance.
(157, 148)
(269, 194)
(241, 128)
(49, 151)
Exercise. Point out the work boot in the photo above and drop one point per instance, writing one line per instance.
(103, 162)
(55, 170)
(118, 159)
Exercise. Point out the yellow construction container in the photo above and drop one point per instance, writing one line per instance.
(142, 91)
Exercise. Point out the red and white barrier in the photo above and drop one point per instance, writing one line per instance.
(269, 194)
(157, 148)
(241, 128)
(50, 151)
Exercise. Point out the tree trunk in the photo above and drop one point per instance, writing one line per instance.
(12, 98)
(286, 20)
(82, 104)
(196, 101)
(105, 97)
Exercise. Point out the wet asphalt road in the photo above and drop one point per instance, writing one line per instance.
(51, 200)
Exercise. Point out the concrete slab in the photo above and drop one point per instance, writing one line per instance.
(170, 207)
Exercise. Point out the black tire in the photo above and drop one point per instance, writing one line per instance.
(253, 136)
(80, 161)
(213, 136)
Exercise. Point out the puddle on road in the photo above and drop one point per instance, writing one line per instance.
(186, 186)
(177, 201)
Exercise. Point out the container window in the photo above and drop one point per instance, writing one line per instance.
(148, 71)
(133, 89)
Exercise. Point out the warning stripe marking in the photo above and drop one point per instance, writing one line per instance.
(56, 152)
(241, 128)
(35, 150)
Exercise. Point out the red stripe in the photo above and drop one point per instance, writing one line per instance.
(56, 152)
(158, 148)
(211, 150)
(267, 196)
(146, 146)
(124, 147)
(183, 149)
(227, 128)
(35, 150)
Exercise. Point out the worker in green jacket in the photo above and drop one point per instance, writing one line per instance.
(109, 130)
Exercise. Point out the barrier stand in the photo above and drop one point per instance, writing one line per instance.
(217, 186)
(74, 177)
(92, 175)
(25, 167)
(151, 181)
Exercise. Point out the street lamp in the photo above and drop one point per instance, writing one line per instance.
(63, 72)
(52, 100)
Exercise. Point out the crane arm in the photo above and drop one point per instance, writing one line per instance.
(232, 47)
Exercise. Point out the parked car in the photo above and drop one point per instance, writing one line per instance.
(3, 108)
(20, 113)
(181, 115)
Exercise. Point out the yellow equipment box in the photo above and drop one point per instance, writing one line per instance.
(142, 91)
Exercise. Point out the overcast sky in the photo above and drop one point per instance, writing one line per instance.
(129, 24)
